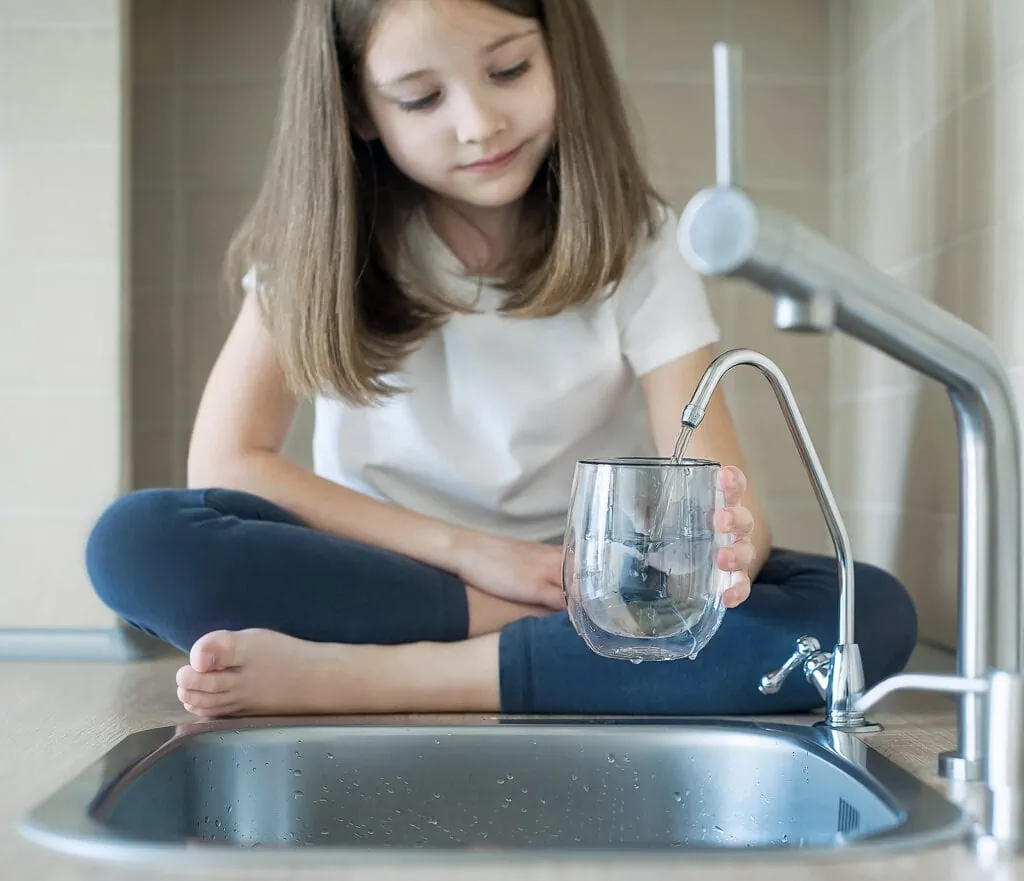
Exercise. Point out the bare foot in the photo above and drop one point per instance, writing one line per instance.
(262, 672)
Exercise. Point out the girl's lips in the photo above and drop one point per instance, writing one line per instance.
(494, 162)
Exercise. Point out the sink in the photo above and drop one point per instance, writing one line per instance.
(241, 790)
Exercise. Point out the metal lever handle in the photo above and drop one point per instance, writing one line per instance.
(806, 646)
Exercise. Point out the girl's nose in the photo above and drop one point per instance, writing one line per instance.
(478, 120)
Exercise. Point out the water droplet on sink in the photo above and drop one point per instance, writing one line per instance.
(432, 821)
(636, 660)
(574, 778)
(298, 794)
(501, 781)
(611, 759)
(437, 795)
(297, 772)
(525, 790)
(330, 755)
(677, 796)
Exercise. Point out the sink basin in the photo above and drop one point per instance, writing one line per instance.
(229, 790)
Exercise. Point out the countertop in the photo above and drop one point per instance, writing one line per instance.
(57, 718)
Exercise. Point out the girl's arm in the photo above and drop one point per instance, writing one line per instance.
(242, 422)
(668, 390)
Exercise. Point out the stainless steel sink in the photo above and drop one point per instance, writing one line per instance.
(266, 790)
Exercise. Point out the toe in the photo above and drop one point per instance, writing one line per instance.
(201, 700)
(211, 683)
(215, 651)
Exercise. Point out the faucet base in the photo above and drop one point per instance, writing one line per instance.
(956, 767)
(850, 728)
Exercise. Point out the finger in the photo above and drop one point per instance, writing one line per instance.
(733, 483)
(737, 521)
(737, 593)
(737, 557)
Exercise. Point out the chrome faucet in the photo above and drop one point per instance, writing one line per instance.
(819, 287)
(838, 676)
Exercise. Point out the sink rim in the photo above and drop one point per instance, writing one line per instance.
(63, 820)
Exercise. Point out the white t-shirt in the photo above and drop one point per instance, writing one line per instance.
(498, 410)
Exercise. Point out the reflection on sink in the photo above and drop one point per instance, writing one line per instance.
(228, 789)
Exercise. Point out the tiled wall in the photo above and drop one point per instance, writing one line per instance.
(928, 137)
(205, 86)
(61, 281)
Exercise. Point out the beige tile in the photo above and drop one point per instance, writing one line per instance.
(768, 447)
(807, 204)
(977, 178)
(857, 369)
(948, 35)
(782, 38)
(839, 128)
(926, 561)
(678, 145)
(233, 37)
(152, 241)
(152, 159)
(226, 129)
(838, 13)
(859, 22)
(211, 217)
(1008, 19)
(929, 170)
(798, 526)
(888, 125)
(861, 121)
(978, 294)
(43, 572)
(152, 360)
(979, 45)
(60, 85)
(919, 72)
(64, 454)
(1009, 287)
(59, 329)
(786, 130)
(1009, 148)
(59, 12)
(152, 459)
(671, 38)
(206, 320)
(872, 443)
(59, 205)
(154, 24)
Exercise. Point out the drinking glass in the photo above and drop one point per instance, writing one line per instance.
(639, 569)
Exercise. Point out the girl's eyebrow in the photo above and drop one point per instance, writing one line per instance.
(490, 47)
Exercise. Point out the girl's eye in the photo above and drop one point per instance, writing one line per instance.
(511, 73)
(424, 103)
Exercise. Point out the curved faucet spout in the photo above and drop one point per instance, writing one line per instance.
(694, 413)
(845, 673)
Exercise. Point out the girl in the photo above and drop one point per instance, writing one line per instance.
(457, 255)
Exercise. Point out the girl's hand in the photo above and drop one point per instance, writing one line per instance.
(521, 571)
(739, 522)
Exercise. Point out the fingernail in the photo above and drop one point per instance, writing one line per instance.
(729, 521)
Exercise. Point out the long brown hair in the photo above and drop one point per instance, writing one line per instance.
(325, 231)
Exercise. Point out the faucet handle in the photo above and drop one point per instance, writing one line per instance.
(806, 647)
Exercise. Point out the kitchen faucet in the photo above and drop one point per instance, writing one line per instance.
(818, 287)
(838, 676)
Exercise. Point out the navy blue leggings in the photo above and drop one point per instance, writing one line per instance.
(180, 563)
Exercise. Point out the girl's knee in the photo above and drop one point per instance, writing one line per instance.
(885, 622)
(128, 540)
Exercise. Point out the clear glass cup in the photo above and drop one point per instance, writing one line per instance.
(639, 569)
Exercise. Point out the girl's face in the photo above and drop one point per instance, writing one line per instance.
(461, 95)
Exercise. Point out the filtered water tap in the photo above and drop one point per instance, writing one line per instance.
(838, 675)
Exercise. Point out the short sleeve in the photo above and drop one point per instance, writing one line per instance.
(662, 305)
